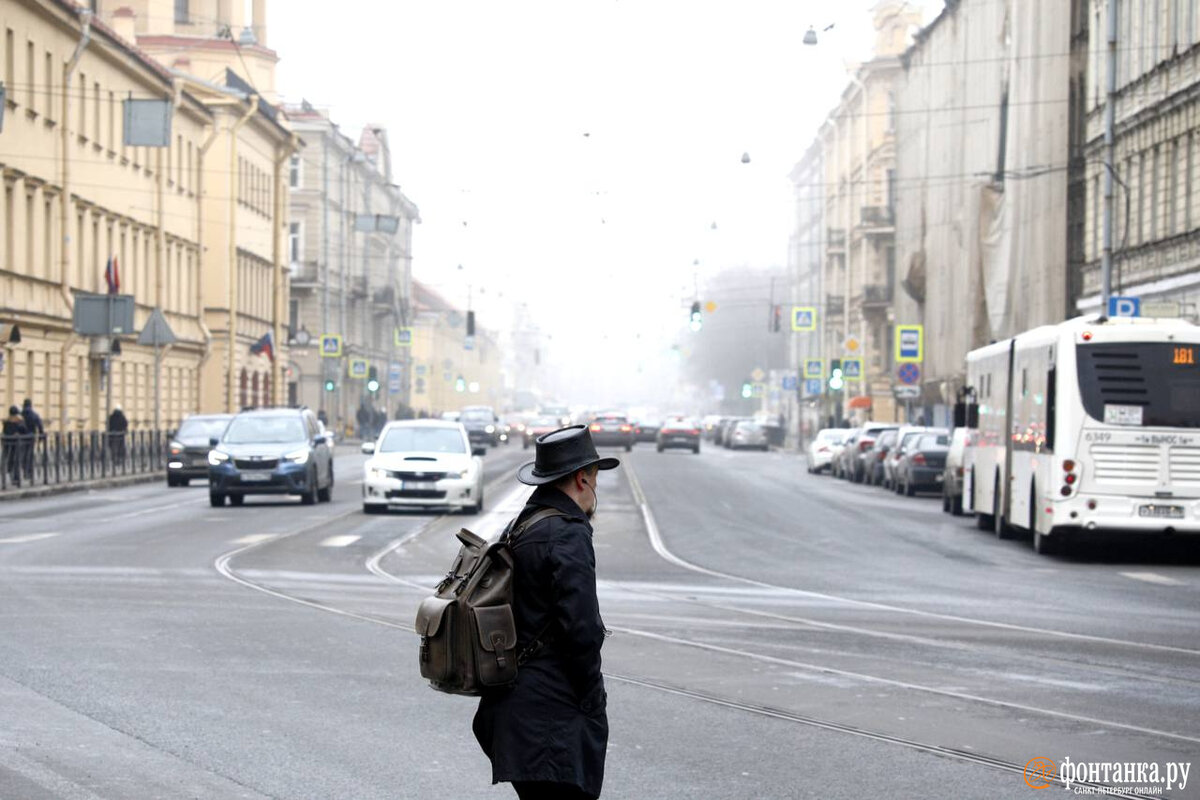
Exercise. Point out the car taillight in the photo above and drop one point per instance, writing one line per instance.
(596, 428)
(1070, 477)
(919, 458)
(626, 428)
(823, 450)
(864, 446)
(694, 432)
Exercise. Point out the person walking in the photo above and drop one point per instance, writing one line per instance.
(547, 733)
(36, 431)
(117, 426)
(14, 433)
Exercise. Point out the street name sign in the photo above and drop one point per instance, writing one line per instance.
(907, 392)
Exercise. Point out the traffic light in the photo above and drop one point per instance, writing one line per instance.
(470, 323)
(696, 322)
(776, 318)
(836, 379)
(372, 380)
(330, 385)
(747, 390)
(460, 385)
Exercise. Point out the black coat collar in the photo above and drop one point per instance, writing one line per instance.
(551, 497)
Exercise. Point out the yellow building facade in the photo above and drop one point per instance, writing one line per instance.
(440, 357)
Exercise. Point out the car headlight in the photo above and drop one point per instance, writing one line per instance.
(490, 429)
(176, 448)
(296, 457)
(217, 458)
(454, 476)
(376, 473)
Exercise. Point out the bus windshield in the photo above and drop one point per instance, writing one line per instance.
(1141, 384)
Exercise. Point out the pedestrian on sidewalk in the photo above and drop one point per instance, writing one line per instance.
(117, 426)
(36, 431)
(13, 444)
(547, 733)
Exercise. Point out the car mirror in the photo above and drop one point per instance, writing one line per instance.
(478, 451)
(213, 441)
(368, 448)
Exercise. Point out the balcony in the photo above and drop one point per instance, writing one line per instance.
(384, 297)
(834, 305)
(878, 220)
(877, 297)
(305, 274)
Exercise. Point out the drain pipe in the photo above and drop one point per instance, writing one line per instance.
(235, 187)
(64, 206)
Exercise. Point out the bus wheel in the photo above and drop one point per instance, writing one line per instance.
(1044, 544)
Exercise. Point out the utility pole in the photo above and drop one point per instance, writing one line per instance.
(1109, 151)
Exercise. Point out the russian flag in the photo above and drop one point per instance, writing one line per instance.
(265, 345)
(112, 276)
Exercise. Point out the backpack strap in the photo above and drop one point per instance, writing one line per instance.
(545, 513)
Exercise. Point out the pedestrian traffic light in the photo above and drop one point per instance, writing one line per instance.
(776, 317)
(460, 385)
(470, 323)
(696, 322)
(372, 380)
(747, 390)
(329, 385)
(836, 378)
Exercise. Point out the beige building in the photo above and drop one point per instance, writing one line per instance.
(857, 280)
(350, 256)
(981, 183)
(75, 196)
(1156, 159)
(447, 372)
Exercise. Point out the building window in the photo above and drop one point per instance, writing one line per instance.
(181, 12)
(1173, 190)
(30, 76)
(295, 252)
(1155, 196)
(294, 171)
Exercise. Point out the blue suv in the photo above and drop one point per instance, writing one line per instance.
(271, 451)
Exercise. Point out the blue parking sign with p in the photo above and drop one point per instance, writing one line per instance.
(1124, 306)
(804, 318)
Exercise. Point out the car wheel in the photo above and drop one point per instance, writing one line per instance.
(309, 497)
(696, 450)
(215, 499)
(908, 488)
(326, 495)
(628, 448)
(171, 482)
(237, 499)
(370, 508)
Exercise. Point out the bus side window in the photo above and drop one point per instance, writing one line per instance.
(1051, 407)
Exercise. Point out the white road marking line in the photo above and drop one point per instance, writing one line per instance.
(254, 538)
(340, 541)
(31, 537)
(1152, 577)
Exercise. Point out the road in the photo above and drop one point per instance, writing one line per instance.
(775, 635)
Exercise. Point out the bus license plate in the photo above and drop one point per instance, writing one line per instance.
(255, 477)
(419, 486)
(1167, 512)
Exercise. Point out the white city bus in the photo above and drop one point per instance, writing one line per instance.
(1092, 424)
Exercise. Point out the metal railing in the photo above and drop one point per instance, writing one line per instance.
(62, 458)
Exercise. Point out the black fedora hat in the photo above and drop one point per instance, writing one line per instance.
(561, 452)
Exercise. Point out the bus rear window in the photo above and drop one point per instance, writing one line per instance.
(1147, 384)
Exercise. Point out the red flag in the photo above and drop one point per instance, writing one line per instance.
(112, 276)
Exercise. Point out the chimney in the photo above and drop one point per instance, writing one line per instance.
(124, 24)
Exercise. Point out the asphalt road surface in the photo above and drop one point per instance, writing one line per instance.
(775, 635)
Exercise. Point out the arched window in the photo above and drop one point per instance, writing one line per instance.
(245, 383)
(254, 390)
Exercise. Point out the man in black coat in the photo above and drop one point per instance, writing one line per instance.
(548, 732)
(14, 432)
(33, 425)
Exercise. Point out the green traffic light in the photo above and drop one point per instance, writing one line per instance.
(836, 382)
(747, 390)
(372, 386)
(329, 386)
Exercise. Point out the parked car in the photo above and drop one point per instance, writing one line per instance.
(922, 465)
(562, 413)
(189, 449)
(539, 426)
(271, 451)
(612, 430)
(820, 450)
(952, 476)
(646, 431)
(483, 427)
(841, 463)
(747, 433)
(905, 436)
(710, 424)
(863, 446)
(679, 432)
(425, 463)
(884, 442)
(721, 433)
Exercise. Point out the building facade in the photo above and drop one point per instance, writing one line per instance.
(983, 159)
(806, 279)
(1155, 212)
(450, 369)
(77, 198)
(350, 255)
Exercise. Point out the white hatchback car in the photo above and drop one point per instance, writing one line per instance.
(824, 446)
(424, 463)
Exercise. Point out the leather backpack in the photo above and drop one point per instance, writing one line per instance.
(467, 629)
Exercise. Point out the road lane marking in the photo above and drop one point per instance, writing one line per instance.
(254, 538)
(29, 537)
(1152, 577)
(660, 547)
(340, 541)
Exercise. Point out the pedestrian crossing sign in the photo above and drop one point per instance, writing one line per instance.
(852, 369)
(358, 368)
(402, 337)
(814, 368)
(804, 318)
(331, 345)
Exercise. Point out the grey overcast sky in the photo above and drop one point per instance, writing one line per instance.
(573, 154)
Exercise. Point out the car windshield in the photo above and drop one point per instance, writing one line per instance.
(202, 428)
(264, 430)
(544, 422)
(410, 438)
(477, 415)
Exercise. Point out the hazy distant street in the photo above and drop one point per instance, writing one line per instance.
(775, 635)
